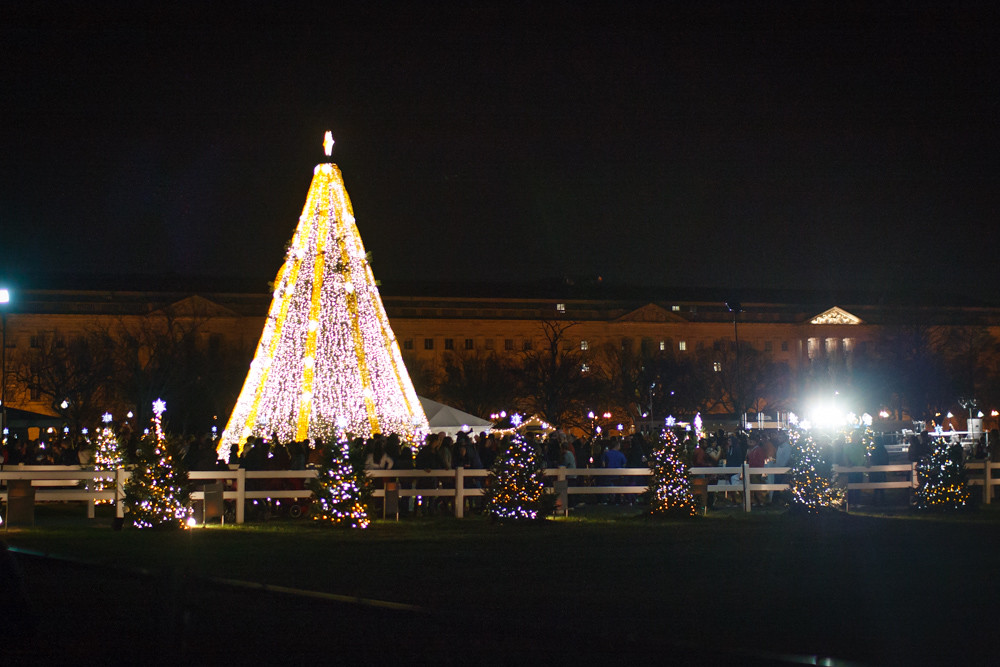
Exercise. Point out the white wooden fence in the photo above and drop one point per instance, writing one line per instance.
(74, 483)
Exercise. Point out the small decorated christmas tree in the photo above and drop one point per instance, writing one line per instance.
(670, 488)
(514, 486)
(942, 479)
(340, 488)
(156, 495)
(107, 456)
(811, 477)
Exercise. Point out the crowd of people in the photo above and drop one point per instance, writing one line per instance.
(757, 448)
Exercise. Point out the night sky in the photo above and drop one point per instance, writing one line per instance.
(751, 145)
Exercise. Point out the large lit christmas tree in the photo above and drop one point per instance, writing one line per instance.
(107, 456)
(514, 486)
(156, 494)
(670, 486)
(942, 478)
(327, 349)
(340, 488)
(811, 477)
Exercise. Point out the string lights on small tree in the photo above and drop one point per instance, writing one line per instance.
(107, 456)
(156, 495)
(515, 491)
(942, 479)
(341, 490)
(671, 488)
(811, 477)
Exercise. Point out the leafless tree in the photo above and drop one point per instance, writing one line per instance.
(557, 381)
(477, 381)
(73, 373)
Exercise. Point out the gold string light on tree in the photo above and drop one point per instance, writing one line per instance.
(327, 350)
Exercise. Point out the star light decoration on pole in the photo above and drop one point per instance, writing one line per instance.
(159, 407)
(327, 350)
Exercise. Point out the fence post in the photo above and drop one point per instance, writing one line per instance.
(241, 494)
(746, 486)
(562, 488)
(459, 493)
(987, 474)
(120, 493)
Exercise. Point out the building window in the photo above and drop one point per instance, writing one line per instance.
(508, 344)
(470, 344)
(526, 344)
(682, 346)
(676, 309)
(784, 346)
(408, 344)
(36, 341)
(428, 343)
(561, 307)
(449, 343)
(584, 345)
(489, 343)
(716, 366)
(214, 342)
(663, 346)
(768, 346)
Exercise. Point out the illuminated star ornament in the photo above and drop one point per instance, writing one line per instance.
(327, 351)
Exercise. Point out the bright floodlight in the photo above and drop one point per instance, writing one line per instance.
(827, 414)
(4, 295)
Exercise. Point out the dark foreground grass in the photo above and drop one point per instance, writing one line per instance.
(724, 589)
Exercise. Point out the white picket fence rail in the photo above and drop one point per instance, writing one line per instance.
(75, 483)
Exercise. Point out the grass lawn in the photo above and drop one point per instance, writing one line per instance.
(728, 588)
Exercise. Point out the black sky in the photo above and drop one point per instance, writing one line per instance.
(834, 146)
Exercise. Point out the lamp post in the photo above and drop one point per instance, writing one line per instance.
(4, 300)
(735, 308)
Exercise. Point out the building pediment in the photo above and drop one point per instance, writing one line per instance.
(836, 315)
(650, 313)
(198, 306)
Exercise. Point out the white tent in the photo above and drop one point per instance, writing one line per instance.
(449, 420)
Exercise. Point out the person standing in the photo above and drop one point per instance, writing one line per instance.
(782, 458)
(854, 454)
(613, 458)
(878, 457)
(757, 458)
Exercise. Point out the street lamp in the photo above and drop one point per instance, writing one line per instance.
(736, 308)
(4, 301)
